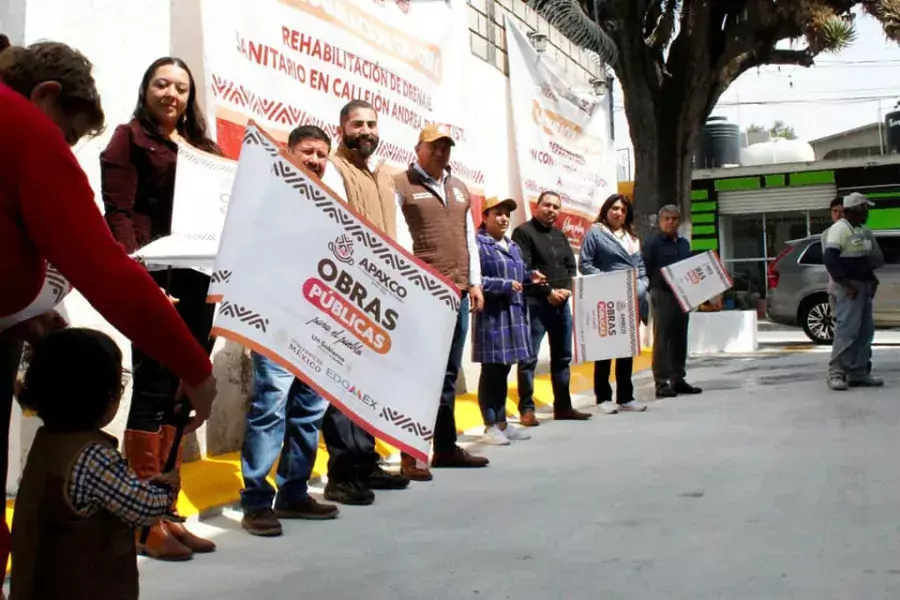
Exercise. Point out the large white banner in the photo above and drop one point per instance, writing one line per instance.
(697, 279)
(285, 63)
(314, 288)
(563, 140)
(606, 318)
(203, 185)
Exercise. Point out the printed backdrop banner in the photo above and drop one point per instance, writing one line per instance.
(697, 279)
(562, 134)
(316, 289)
(606, 319)
(203, 185)
(285, 63)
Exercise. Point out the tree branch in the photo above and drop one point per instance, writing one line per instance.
(802, 58)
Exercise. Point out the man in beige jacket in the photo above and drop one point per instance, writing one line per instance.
(353, 470)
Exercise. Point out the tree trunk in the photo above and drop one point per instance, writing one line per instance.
(667, 106)
(663, 165)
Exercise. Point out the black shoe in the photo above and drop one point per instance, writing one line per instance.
(348, 492)
(683, 387)
(664, 390)
(379, 479)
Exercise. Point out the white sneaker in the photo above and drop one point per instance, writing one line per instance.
(608, 408)
(632, 406)
(515, 434)
(495, 437)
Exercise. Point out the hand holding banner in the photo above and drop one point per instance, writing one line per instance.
(317, 289)
(606, 316)
(697, 279)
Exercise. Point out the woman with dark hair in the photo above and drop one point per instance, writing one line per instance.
(48, 101)
(611, 245)
(138, 184)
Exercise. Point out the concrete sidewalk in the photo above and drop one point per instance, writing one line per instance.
(765, 486)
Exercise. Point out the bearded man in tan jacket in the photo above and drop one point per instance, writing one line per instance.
(353, 470)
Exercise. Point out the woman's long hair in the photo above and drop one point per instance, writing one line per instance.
(628, 225)
(192, 126)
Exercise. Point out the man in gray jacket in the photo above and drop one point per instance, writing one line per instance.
(852, 256)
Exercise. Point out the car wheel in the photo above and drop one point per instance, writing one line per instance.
(817, 319)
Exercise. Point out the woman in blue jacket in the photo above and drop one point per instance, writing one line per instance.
(611, 245)
(501, 331)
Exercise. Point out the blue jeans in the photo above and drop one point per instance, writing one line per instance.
(445, 426)
(556, 323)
(283, 419)
(854, 331)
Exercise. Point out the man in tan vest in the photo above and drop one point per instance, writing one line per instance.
(436, 207)
(353, 470)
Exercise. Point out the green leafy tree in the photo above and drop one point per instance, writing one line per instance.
(675, 58)
(779, 129)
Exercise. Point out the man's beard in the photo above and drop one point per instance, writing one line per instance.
(365, 144)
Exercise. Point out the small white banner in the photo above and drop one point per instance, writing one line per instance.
(334, 301)
(606, 316)
(697, 279)
(203, 185)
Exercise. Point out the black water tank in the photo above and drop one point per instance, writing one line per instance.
(720, 144)
(892, 132)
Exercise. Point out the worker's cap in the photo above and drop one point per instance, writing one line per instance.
(856, 199)
(494, 201)
(435, 132)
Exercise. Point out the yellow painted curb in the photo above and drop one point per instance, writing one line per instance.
(216, 481)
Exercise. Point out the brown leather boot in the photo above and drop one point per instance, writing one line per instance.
(570, 414)
(176, 528)
(142, 451)
(528, 419)
(410, 470)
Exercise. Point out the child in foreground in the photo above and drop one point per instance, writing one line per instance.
(78, 503)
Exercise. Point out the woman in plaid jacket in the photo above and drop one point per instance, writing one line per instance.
(502, 333)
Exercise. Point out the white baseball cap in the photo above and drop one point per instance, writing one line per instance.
(856, 199)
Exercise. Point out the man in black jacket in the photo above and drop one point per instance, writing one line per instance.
(547, 250)
(670, 322)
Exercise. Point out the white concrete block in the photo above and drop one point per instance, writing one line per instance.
(728, 331)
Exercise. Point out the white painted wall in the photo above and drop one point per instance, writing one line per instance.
(121, 38)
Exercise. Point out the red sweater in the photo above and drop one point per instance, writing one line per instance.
(47, 212)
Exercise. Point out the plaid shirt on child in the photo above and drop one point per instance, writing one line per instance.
(101, 479)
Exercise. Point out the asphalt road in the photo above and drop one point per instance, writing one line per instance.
(765, 486)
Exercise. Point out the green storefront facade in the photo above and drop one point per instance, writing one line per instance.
(747, 214)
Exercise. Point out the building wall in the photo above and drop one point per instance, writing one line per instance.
(866, 142)
(122, 37)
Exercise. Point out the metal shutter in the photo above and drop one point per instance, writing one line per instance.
(810, 197)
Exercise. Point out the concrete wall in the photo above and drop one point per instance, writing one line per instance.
(865, 141)
(122, 37)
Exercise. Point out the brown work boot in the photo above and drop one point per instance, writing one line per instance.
(176, 527)
(458, 459)
(528, 419)
(413, 472)
(142, 452)
(262, 523)
(570, 414)
(307, 509)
